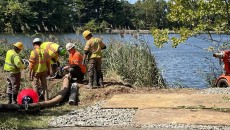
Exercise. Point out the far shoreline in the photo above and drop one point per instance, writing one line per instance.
(123, 31)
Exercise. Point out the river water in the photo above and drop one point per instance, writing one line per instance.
(182, 66)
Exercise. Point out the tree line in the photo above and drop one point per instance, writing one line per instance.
(76, 15)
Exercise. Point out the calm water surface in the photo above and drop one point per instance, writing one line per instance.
(183, 65)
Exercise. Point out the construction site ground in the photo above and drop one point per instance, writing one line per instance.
(165, 106)
(175, 108)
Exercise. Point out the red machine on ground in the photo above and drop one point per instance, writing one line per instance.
(224, 79)
(27, 96)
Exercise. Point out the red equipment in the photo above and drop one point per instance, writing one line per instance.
(224, 79)
(27, 96)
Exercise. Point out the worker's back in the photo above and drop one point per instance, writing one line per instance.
(51, 47)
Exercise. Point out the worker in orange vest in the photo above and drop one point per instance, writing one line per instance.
(93, 52)
(13, 65)
(75, 67)
(39, 67)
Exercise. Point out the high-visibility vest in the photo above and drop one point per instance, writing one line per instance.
(13, 62)
(39, 57)
(77, 59)
(94, 46)
(51, 48)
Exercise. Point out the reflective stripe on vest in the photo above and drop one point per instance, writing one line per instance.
(9, 62)
(37, 55)
(40, 60)
(12, 60)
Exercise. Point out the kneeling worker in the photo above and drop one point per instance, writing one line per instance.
(75, 67)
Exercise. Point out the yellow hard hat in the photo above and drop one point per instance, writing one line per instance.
(19, 45)
(86, 33)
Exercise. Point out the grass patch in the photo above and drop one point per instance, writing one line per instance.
(25, 120)
(192, 107)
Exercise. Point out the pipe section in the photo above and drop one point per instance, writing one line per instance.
(44, 104)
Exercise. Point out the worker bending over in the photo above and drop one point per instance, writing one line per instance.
(54, 50)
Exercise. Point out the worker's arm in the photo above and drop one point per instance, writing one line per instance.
(48, 60)
(18, 62)
(48, 66)
(31, 65)
(84, 57)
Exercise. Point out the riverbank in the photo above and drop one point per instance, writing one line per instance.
(96, 116)
(90, 114)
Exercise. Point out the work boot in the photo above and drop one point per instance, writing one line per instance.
(100, 79)
(9, 98)
(46, 96)
(101, 84)
(89, 86)
(40, 94)
(14, 99)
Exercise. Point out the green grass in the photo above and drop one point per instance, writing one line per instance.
(25, 120)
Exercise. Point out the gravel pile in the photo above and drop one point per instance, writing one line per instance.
(95, 116)
(215, 91)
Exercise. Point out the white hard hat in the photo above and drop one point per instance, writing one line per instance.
(37, 40)
(69, 46)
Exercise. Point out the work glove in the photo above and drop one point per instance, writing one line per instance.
(25, 62)
(62, 68)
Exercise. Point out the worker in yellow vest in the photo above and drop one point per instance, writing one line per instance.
(54, 51)
(13, 65)
(39, 67)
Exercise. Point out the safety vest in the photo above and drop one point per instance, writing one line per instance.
(10, 65)
(39, 57)
(94, 46)
(77, 59)
(51, 48)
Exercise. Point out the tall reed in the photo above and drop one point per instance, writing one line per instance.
(134, 63)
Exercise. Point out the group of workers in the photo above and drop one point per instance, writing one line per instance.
(43, 62)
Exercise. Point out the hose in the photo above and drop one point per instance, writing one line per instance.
(45, 104)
